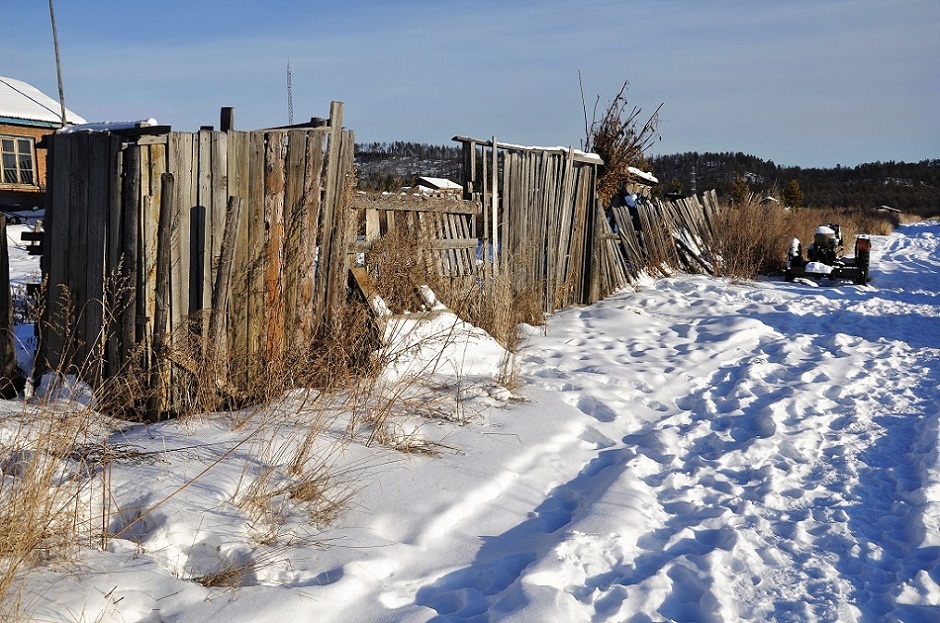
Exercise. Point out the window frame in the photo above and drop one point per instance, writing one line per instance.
(17, 154)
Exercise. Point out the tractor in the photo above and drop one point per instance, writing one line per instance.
(825, 259)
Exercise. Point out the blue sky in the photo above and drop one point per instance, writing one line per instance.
(799, 82)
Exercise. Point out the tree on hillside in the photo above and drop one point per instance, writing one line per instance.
(792, 195)
(675, 186)
(739, 189)
(619, 139)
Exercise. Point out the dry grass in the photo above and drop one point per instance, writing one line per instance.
(55, 493)
(43, 501)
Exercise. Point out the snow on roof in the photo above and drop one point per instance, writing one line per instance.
(20, 101)
(649, 178)
(109, 126)
(440, 183)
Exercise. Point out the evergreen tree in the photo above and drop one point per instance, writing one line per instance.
(792, 195)
(675, 186)
(739, 189)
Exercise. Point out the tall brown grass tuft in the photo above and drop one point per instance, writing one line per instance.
(43, 512)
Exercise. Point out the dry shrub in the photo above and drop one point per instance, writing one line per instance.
(399, 262)
(750, 239)
(288, 471)
(619, 139)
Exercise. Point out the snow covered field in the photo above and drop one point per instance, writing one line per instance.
(695, 450)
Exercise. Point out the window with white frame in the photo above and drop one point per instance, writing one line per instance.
(18, 155)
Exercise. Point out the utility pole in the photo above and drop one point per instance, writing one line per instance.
(58, 62)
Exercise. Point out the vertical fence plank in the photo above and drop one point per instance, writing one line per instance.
(55, 260)
(217, 339)
(306, 323)
(220, 196)
(274, 161)
(255, 209)
(238, 180)
(293, 225)
(129, 250)
(113, 267)
(332, 252)
(180, 164)
(201, 236)
(159, 369)
(76, 347)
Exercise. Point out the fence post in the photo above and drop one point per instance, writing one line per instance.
(156, 403)
(10, 374)
(218, 343)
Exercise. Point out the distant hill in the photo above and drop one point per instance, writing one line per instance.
(910, 187)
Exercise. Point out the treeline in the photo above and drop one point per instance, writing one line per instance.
(390, 166)
(421, 151)
(909, 187)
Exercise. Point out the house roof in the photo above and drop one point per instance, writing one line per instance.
(439, 183)
(24, 104)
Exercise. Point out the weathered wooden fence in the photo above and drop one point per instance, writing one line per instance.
(135, 233)
(541, 220)
(659, 237)
(446, 226)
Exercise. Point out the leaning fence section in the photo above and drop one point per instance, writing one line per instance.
(659, 237)
(542, 225)
(156, 243)
(443, 228)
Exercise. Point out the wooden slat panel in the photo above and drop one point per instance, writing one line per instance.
(306, 323)
(238, 184)
(274, 162)
(255, 211)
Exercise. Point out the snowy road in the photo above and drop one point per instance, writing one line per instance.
(748, 452)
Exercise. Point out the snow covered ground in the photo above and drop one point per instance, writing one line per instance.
(694, 450)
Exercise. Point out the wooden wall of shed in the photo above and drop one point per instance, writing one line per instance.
(101, 261)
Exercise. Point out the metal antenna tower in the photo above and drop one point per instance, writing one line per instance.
(290, 98)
